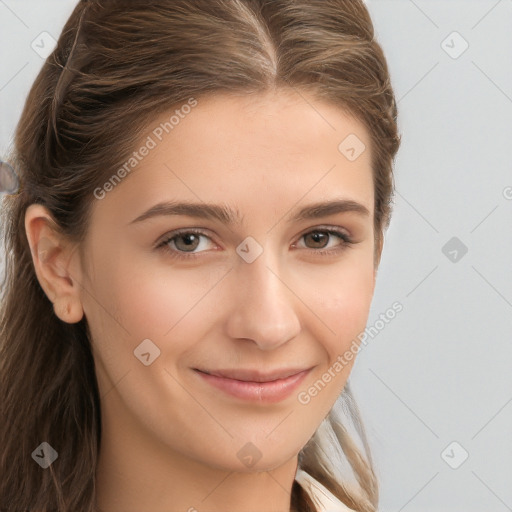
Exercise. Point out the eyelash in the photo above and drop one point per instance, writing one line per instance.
(347, 243)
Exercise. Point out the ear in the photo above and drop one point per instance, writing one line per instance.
(56, 262)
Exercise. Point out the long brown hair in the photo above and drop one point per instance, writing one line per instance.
(117, 65)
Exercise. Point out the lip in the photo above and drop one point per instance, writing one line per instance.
(255, 386)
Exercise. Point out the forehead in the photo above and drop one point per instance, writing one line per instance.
(270, 149)
(302, 122)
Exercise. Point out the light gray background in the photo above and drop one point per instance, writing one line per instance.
(440, 371)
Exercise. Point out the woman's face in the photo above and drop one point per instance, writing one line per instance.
(171, 295)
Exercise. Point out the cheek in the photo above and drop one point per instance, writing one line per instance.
(130, 301)
(343, 304)
(164, 303)
(154, 304)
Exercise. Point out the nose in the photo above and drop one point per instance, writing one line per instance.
(264, 305)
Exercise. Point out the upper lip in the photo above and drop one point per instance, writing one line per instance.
(255, 375)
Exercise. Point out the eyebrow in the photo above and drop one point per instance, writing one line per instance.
(229, 216)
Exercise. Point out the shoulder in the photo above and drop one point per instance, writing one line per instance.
(322, 497)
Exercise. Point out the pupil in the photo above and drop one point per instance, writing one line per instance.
(318, 236)
(189, 240)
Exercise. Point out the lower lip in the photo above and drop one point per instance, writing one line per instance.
(268, 392)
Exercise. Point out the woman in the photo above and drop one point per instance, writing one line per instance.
(205, 186)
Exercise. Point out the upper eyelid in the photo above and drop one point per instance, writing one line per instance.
(172, 234)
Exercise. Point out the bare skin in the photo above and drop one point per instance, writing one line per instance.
(171, 441)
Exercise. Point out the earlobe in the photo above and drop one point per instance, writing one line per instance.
(68, 311)
(52, 257)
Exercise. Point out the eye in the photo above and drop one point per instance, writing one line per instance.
(182, 244)
(321, 237)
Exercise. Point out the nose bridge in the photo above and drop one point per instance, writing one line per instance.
(265, 309)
